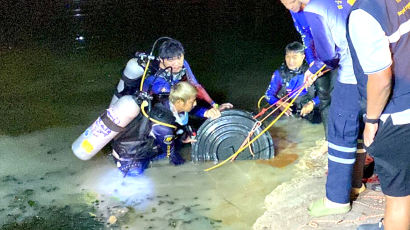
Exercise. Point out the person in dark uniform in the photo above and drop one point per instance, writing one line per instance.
(324, 84)
(158, 132)
(379, 41)
(171, 66)
(287, 79)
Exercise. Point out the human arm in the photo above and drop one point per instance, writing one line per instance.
(303, 29)
(378, 91)
(275, 85)
(373, 52)
(310, 105)
(325, 46)
(202, 94)
(271, 94)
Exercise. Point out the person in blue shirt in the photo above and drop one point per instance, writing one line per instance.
(327, 21)
(324, 84)
(290, 77)
(174, 68)
(379, 41)
(170, 65)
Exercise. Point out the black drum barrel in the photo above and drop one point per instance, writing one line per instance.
(220, 138)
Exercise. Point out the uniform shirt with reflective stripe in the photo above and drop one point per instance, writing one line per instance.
(375, 48)
(327, 21)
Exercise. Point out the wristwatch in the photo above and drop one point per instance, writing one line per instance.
(371, 121)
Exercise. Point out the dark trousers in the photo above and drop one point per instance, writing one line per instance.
(324, 87)
(343, 130)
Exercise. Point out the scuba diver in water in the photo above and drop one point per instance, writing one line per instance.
(171, 66)
(287, 79)
(159, 132)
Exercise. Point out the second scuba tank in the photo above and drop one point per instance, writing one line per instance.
(130, 78)
(106, 127)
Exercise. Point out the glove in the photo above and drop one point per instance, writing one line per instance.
(176, 159)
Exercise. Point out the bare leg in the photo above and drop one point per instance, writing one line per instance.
(397, 213)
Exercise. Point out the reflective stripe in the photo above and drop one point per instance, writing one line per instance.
(341, 160)
(403, 29)
(342, 149)
(399, 118)
(361, 151)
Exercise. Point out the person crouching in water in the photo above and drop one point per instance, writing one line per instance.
(162, 133)
(287, 79)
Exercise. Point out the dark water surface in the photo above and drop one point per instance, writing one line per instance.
(59, 64)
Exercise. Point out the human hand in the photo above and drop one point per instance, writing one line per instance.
(212, 113)
(369, 133)
(224, 106)
(307, 108)
(309, 78)
(283, 105)
(189, 140)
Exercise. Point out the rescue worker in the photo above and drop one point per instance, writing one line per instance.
(146, 138)
(327, 22)
(287, 79)
(324, 84)
(170, 66)
(379, 41)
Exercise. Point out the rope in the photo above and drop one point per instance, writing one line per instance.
(249, 143)
(268, 127)
(255, 126)
(145, 104)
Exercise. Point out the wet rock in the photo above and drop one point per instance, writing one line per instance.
(8, 178)
(49, 188)
(51, 152)
(28, 192)
(53, 217)
(31, 203)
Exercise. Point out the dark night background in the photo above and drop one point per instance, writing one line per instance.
(232, 46)
(52, 87)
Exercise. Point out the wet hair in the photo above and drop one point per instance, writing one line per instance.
(296, 47)
(182, 91)
(171, 48)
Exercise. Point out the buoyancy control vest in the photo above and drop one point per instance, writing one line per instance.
(287, 74)
(135, 142)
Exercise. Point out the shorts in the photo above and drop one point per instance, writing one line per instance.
(391, 152)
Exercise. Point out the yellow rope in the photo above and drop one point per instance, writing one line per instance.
(145, 73)
(145, 104)
(260, 100)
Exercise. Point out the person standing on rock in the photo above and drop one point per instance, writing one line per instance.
(327, 22)
(379, 40)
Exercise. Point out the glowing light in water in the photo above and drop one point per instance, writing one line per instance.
(134, 191)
